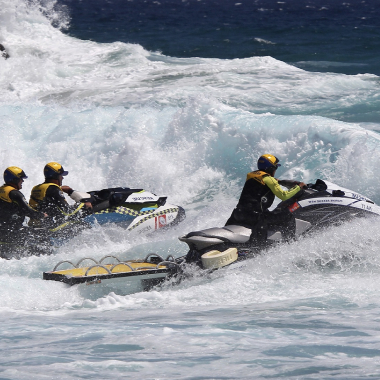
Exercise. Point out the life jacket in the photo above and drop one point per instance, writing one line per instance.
(256, 195)
(11, 215)
(38, 194)
(4, 193)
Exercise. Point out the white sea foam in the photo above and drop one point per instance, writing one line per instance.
(263, 41)
(118, 115)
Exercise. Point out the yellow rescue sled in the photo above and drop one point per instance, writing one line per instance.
(152, 270)
(121, 276)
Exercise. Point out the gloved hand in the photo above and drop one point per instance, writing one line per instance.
(88, 205)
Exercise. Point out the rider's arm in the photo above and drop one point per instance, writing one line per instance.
(277, 190)
(56, 195)
(18, 198)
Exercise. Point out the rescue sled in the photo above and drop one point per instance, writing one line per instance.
(151, 270)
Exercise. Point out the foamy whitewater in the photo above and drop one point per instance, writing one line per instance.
(190, 129)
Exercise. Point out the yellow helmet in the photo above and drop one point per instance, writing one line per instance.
(268, 162)
(53, 170)
(13, 174)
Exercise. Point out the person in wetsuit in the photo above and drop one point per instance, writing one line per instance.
(48, 196)
(14, 208)
(258, 194)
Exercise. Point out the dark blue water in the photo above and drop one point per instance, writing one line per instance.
(318, 35)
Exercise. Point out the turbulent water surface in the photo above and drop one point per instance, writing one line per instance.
(180, 98)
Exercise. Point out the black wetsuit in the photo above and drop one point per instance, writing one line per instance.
(255, 200)
(12, 216)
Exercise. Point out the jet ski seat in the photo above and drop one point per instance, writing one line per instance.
(233, 234)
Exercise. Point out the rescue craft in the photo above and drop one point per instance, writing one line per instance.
(320, 205)
(151, 270)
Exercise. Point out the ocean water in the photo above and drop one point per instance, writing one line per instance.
(180, 98)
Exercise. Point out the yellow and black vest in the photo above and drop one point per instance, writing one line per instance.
(4, 193)
(256, 195)
(11, 215)
(38, 194)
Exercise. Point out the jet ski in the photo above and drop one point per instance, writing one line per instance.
(136, 210)
(320, 205)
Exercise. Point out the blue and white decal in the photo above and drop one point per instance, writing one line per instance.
(144, 196)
